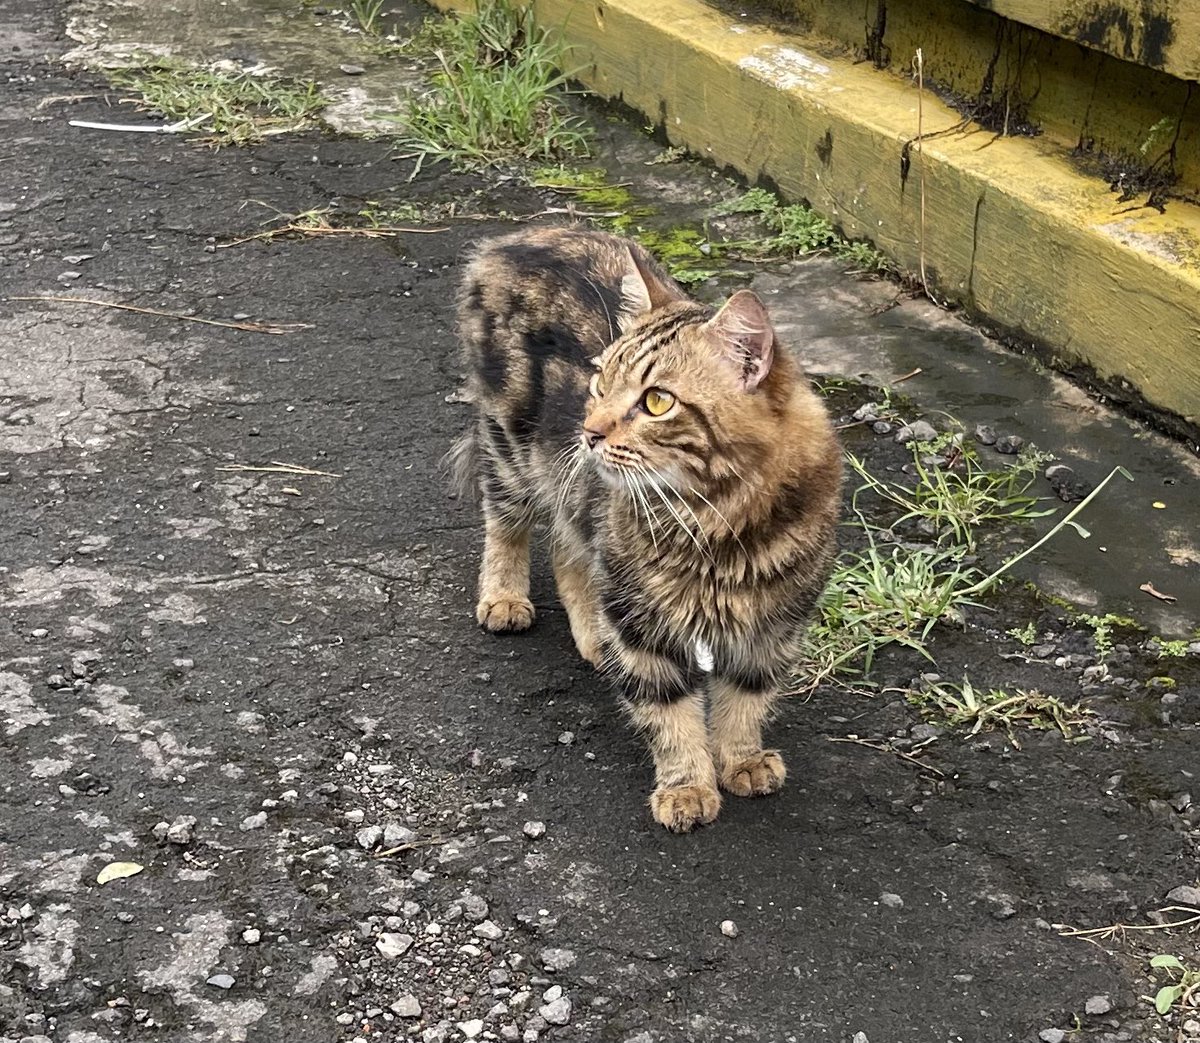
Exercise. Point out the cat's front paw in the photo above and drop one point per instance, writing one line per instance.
(754, 776)
(682, 808)
(504, 612)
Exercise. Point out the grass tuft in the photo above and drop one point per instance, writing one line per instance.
(963, 704)
(241, 108)
(495, 96)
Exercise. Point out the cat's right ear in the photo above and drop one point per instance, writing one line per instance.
(643, 289)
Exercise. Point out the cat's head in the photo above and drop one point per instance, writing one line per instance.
(685, 397)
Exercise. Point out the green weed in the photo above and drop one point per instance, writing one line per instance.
(1182, 991)
(1173, 649)
(1102, 631)
(956, 501)
(798, 230)
(1027, 634)
(237, 108)
(495, 96)
(959, 705)
(368, 14)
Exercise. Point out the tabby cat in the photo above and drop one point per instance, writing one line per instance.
(690, 478)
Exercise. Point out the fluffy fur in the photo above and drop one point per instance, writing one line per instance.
(709, 520)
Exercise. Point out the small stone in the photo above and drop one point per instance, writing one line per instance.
(407, 1006)
(253, 822)
(860, 1037)
(1052, 1035)
(420, 876)
(221, 981)
(566, 738)
(557, 959)
(391, 946)
(985, 435)
(510, 1033)
(1098, 1005)
(252, 936)
(488, 930)
(891, 901)
(922, 732)
(395, 834)
(180, 831)
(868, 412)
(471, 1028)
(552, 993)
(345, 1018)
(474, 908)
(882, 427)
(352, 70)
(355, 816)
(533, 830)
(558, 1012)
(434, 930)
(922, 431)
(903, 435)
(1010, 445)
(37, 631)
(1185, 895)
(729, 929)
(1192, 1027)
(368, 837)
(499, 976)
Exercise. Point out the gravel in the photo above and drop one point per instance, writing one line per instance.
(1185, 895)
(557, 959)
(1098, 1005)
(985, 435)
(474, 908)
(1052, 1035)
(891, 901)
(471, 1028)
(1010, 445)
(252, 936)
(253, 822)
(729, 929)
(556, 1012)
(181, 830)
(221, 981)
(407, 1006)
(533, 830)
(488, 930)
(368, 837)
(395, 834)
(392, 946)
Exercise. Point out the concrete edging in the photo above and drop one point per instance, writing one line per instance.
(1012, 230)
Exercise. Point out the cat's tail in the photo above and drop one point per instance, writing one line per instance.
(462, 463)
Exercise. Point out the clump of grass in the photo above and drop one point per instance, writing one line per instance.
(963, 704)
(369, 15)
(240, 108)
(798, 230)
(496, 94)
(1027, 634)
(957, 500)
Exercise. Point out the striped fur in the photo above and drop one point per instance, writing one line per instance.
(712, 522)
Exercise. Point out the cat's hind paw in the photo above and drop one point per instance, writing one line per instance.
(504, 612)
(754, 776)
(682, 808)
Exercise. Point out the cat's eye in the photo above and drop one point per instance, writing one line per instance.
(656, 401)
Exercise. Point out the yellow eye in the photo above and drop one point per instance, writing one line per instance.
(656, 402)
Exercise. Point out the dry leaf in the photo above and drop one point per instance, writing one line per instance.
(1149, 589)
(118, 871)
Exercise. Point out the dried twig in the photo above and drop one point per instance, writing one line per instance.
(412, 845)
(884, 747)
(908, 376)
(1112, 930)
(279, 467)
(250, 327)
(318, 231)
(180, 127)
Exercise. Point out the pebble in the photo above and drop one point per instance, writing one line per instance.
(729, 929)
(471, 1028)
(253, 822)
(395, 834)
(985, 435)
(533, 830)
(557, 959)
(474, 907)
(434, 930)
(180, 831)
(355, 816)
(566, 738)
(391, 946)
(1010, 445)
(891, 901)
(1185, 895)
(882, 427)
(499, 976)
(221, 981)
(352, 70)
(557, 1012)
(38, 631)
(488, 930)
(252, 936)
(1052, 1035)
(369, 836)
(345, 1019)
(407, 1006)
(860, 1037)
(552, 993)
(1098, 1005)
(868, 412)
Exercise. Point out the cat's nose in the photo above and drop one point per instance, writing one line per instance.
(593, 438)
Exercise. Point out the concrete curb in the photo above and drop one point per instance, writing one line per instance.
(1012, 231)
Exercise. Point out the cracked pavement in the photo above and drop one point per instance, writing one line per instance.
(266, 688)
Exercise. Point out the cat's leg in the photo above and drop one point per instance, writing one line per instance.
(504, 576)
(741, 703)
(577, 591)
(665, 698)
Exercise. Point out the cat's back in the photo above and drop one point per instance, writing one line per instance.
(545, 293)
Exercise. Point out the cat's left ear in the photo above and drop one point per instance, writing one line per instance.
(744, 336)
(643, 288)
